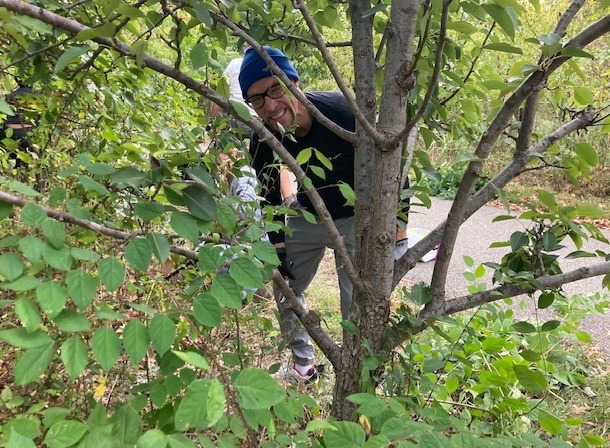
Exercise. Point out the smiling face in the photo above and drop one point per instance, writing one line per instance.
(285, 110)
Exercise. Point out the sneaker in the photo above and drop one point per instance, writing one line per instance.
(400, 248)
(288, 374)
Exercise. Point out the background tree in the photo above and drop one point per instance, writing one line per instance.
(109, 76)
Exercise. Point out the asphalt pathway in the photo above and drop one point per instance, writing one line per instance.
(474, 239)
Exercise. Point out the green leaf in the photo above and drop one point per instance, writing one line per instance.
(180, 441)
(84, 254)
(139, 253)
(246, 273)
(589, 211)
(147, 211)
(100, 169)
(6, 210)
(129, 176)
(226, 218)
(199, 55)
(304, 156)
(501, 16)
(33, 214)
(348, 193)
(5, 108)
(16, 440)
(256, 389)
(345, 435)
(68, 56)
(160, 246)
(226, 291)
(203, 14)
(462, 26)
(550, 422)
(242, 111)
(136, 341)
(185, 225)
(586, 153)
(583, 96)
(23, 189)
(550, 325)
(531, 380)
(31, 247)
(20, 337)
(11, 266)
(59, 259)
(503, 47)
(91, 185)
(420, 293)
(265, 251)
(193, 358)
(28, 314)
(74, 356)
(518, 240)
(576, 53)
(153, 438)
(82, 288)
(192, 412)
(106, 347)
(27, 427)
(162, 332)
(71, 321)
(112, 273)
(583, 336)
(199, 202)
(24, 283)
(104, 30)
(207, 310)
(524, 327)
(127, 425)
(33, 364)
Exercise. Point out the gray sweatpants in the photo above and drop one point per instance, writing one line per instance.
(305, 248)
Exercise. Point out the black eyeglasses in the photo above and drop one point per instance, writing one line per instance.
(274, 92)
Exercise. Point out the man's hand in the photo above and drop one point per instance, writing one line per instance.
(285, 266)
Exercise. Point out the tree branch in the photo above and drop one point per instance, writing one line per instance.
(587, 118)
(484, 148)
(319, 39)
(403, 330)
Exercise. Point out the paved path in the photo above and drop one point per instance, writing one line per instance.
(474, 238)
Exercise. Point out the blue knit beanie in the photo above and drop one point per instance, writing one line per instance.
(253, 67)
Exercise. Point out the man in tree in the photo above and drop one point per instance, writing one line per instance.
(301, 252)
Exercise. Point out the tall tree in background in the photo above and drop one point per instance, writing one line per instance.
(419, 72)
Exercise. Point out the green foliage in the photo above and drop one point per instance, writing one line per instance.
(106, 208)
